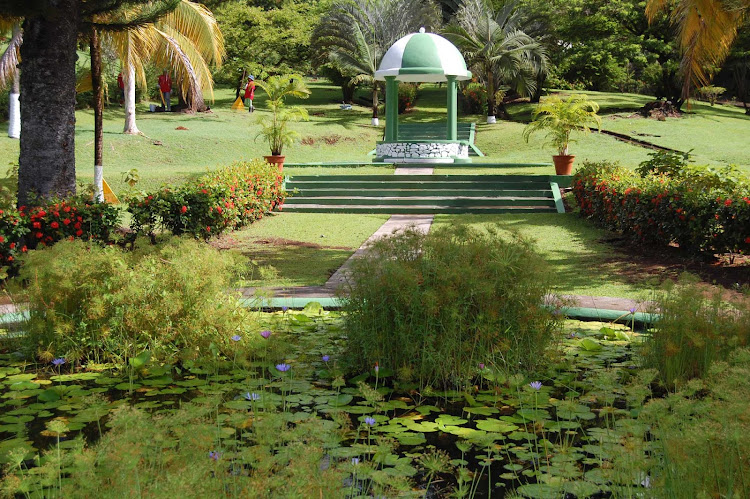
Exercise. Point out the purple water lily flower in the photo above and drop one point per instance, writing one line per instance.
(284, 309)
(536, 385)
(236, 337)
(377, 368)
(58, 362)
(370, 421)
(355, 461)
(265, 334)
(214, 455)
(326, 358)
(481, 366)
(632, 310)
(252, 397)
(283, 367)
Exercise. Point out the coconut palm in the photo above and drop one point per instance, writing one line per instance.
(706, 31)
(497, 49)
(356, 34)
(9, 73)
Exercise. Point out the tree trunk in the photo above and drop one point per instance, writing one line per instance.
(46, 164)
(14, 106)
(375, 101)
(128, 78)
(490, 94)
(95, 49)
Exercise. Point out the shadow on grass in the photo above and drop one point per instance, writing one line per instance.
(292, 265)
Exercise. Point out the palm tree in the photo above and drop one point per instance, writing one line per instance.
(356, 34)
(496, 48)
(9, 73)
(706, 31)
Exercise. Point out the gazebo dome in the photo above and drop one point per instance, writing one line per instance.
(424, 57)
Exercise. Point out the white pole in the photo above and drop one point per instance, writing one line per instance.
(14, 115)
(98, 186)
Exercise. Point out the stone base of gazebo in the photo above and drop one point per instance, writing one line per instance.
(423, 151)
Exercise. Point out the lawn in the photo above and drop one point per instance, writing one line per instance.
(580, 261)
(300, 249)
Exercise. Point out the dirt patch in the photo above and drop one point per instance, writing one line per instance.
(182, 128)
(228, 242)
(670, 262)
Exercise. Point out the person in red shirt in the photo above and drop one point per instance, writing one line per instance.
(165, 85)
(250, 92)
(121, 86)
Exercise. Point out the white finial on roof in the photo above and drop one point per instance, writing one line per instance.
(421, 30)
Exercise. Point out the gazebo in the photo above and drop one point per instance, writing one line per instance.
(422, 57)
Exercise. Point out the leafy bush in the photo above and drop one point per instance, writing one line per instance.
(407, 96)
(433, 307)
(703, 210)
(693, 331)
(664, 163)
(228, 198)
(103, 304)
(474, 98)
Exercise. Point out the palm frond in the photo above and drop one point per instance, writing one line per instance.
(196, 23)
(176, 51)
(10, 58)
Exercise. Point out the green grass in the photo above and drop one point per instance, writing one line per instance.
(580, 262)
(300, 249)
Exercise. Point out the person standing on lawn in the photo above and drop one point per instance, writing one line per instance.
(121, 86)
(165, 87)
(250, 92)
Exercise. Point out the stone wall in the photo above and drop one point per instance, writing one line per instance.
(422, 150)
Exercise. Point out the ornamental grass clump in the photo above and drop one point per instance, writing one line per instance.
(432, 307)
(90, 303)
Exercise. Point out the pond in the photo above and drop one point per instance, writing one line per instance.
(572, 430)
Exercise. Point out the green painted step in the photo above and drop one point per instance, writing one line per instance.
(411, 210)
(414, 184)
(432, 178)
(306, 192)
(422, 201)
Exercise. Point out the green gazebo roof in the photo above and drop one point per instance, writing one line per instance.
(423, 57)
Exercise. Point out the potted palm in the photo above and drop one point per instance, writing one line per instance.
(275, 128)
(560, 118)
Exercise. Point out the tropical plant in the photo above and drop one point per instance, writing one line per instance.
(706, 31)
(9, 72)
(356, 34)
(275, 129)
(561, 117)
(497, 49)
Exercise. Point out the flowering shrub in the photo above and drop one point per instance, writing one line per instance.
(74, 218)
(474, 98)
(225, 199)
(407, 95)
(657, 209)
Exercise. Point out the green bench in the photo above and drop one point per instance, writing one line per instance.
(438, 131)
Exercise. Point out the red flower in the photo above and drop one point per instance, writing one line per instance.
(42, 213)
(10, 258)
(727, 202)
(55, 225)
(79, 232)
(66, 221)
(218, 208)
(37, 225)
(39, 235)
(77, 225)
(747, 240)
(12, 245)
(2, 240)
(24, 249)
(183, 209)
(66, 209)
(208, 229)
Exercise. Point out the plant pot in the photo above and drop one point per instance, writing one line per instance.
(563, 164)
(275, 159)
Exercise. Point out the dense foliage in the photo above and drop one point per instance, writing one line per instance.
(433, 307)
(221, 200)
(96, 304)
(703, 210)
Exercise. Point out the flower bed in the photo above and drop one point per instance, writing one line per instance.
(75, 218)
(659, 209)
(228, 198)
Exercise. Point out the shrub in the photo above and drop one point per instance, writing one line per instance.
(702, 210)
(104, 304)
(407, 96)
(693, 331)
(225, 199)
(474, 98)
(433, 307)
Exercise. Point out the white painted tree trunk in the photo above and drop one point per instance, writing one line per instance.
(491, 120)
(375, 122)
(98, 184)
(14, 117)
(128, 79)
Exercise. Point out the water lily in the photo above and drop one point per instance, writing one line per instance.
(283, 367)
(481, 366)
(377, 368)
(214, 455)
(632, 310)
(58, 362)
(355, 461)
(536, 385)
(265, 334)
(236, 337)
(284, 309)
(252, 397)
(370, 421)
(326, 358)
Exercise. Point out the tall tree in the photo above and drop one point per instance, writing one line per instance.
(706, 31)
(51, 29)
(9, 73)
(497, 49)
(356, 34)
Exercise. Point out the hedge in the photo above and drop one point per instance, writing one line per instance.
(222, 200)
(659, 209)
(26, 228)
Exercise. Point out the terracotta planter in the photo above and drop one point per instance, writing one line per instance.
(277, 160)
(563, 164)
